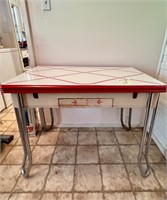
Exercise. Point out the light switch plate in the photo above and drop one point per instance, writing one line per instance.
(46, 5)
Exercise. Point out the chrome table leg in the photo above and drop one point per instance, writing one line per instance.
(20, 115)
(146, 139)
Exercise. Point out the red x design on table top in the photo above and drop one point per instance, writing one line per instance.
(69, 79)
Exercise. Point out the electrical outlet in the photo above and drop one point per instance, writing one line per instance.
(46, 5)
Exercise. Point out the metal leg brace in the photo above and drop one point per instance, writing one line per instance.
(127, 128)
(43, 121)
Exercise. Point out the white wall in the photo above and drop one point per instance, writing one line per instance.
(6, 31)
(10, 66)
(96, 32)
(93, 32)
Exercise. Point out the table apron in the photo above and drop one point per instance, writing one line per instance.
(54, 100)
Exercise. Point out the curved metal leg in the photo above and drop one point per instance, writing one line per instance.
(21, 135)
(43, 122)
(127, 128)
(146, 140)
(27, 159)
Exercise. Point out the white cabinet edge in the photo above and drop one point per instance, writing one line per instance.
(5, 50)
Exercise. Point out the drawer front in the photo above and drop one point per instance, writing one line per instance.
(85, 102)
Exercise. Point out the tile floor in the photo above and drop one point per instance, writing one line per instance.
(79, 164)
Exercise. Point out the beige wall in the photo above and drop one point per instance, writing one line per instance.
(96, 32)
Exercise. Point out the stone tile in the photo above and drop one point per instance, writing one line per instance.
(87, 154)
(138, 136)
(15, 156)
(35, 182)
(115, 177)
(126, 137)
(13, 127)
(22, 196)
(12, 110)
(4, 125)
(16, 137)
(87, 138)
(69, 129)
(8, 176)
(4, 196)
(32, 139)
(119, 196)
(150, 196)
(160, 171)
(110, 154)
(4, 150)
(9, 108)
(119, 129)
(64, 155)
(57, 196)
(42, 154)
(48, 138)
(87, 178)
(9, 116)
(137, 129)
(88, 196)
(130, 153)
(139, 182)
(155, 155)
(106, 138)
(104, 129)
(87, 129)
(2, 114)
(67, 138)
(60, 178)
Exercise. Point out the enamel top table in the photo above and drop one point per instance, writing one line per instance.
(75, 86)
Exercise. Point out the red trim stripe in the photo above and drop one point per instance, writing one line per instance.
(82, 89)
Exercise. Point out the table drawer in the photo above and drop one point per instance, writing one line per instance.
(85, 102)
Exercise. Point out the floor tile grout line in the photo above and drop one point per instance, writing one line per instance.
(126, 163)
(6, 129)
(83, 192)
(12, 191)
(93, 163)
(101, 175)
(50, 165)
(75, 166)
(11, 125)
(154, 174)
(6, 155)
(125, 167)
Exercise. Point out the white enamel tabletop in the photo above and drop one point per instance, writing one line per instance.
(82, 76)
(67, 75)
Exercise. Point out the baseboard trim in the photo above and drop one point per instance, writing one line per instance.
(114, 125)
